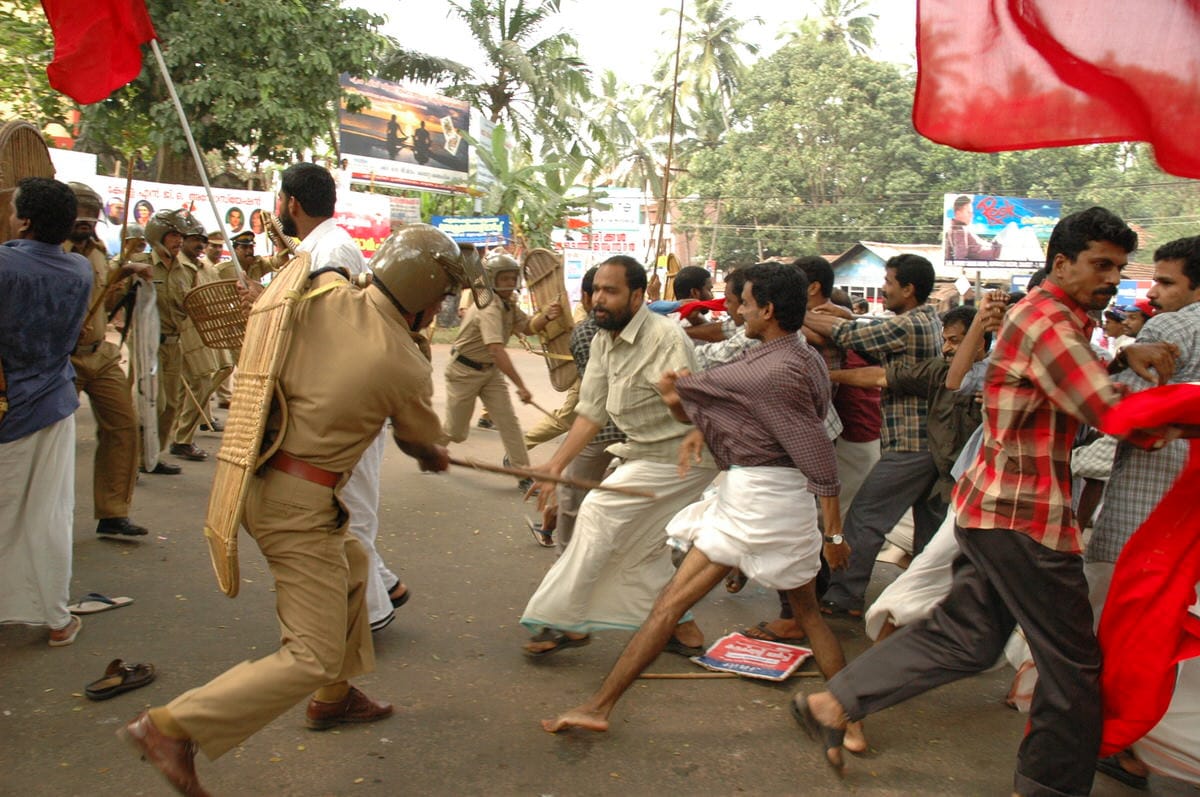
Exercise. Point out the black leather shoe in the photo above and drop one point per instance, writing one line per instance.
(165, 469)
(120, 525)
(217, 426)
(189, 451)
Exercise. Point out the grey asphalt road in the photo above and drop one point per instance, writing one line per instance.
(468, 702)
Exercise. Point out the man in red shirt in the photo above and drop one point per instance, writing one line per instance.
(1020, 541)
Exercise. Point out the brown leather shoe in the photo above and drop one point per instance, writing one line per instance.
(355, 707)
(189, 451)
(174, 758)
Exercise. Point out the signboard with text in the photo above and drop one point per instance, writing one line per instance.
(478, 230)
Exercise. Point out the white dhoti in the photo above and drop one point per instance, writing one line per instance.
(618, 560)
(360, 496)
(922, 586)
(761, 520)
(37, 511)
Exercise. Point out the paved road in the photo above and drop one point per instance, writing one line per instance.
(468, 701)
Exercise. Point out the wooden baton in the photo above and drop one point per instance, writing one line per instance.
(525, 473)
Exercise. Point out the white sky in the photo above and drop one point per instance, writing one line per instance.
(626, 35)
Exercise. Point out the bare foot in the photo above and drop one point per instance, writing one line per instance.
(785, 628)
(856, 738)
(577, 718)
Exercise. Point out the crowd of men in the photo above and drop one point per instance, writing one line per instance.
(780, 444)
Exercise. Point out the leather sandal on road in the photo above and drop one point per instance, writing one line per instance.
(830, 739)
(120, 677)
(561, 641)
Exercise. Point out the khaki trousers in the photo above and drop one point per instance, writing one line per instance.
(189, 419)
(114, 470)
(320, 574)
(547, 429)
(170, 389)
(463, 386)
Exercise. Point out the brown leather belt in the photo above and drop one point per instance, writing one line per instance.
(302, 470)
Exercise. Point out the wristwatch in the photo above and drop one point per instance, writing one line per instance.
(836, 539)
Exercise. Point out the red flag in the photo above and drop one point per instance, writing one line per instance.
(1021, 74)
(97, 45)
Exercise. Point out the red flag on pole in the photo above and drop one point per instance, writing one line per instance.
(1021, 74)
(97, 45)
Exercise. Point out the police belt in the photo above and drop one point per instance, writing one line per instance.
(467, 361)
(302, 470)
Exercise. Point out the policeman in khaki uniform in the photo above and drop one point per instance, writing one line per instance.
(337, 405)
(479, 362)
(98, 373)
(164, 233)
(255, 268)
(203, 368)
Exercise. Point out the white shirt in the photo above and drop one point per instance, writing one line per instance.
(330, 245)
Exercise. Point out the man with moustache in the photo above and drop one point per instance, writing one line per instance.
(98, 373)
(618, 560)
(1020, 540)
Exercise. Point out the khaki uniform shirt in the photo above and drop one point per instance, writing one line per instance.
(493, 324)
(621, 384)
(255, 269)
(351, 365)
(94, 326)
(171, 282)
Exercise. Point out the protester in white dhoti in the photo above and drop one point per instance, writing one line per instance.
(762, 416)
(310, 218)
(617, 560)
(43, 299)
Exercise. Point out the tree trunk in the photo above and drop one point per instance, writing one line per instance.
(175, 167)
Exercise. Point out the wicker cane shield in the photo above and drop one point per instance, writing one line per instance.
(544, 276)
(268, 333)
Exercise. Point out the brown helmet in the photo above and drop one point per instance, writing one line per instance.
(192, 225)
(161, 223)
(419, 263)
(498, 263)
(87, 201)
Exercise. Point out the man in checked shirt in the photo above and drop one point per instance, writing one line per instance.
(1020, 541)
(762, 416)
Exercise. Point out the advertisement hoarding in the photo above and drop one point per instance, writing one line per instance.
(478, 230)
(407, 137)
(1003, 231)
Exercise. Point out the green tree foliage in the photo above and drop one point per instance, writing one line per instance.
(255, 74)
(26, 47)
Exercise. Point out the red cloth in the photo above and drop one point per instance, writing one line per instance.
(688, 308)
(97, 45)
(1021, 74)
(1146, 628)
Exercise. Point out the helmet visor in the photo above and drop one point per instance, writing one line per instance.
(469, 273)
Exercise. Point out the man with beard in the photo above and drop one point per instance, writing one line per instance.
(1020, 541)
(98, 373)
(305, 206)
(618, 560)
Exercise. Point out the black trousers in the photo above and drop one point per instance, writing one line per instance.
(1001, 579)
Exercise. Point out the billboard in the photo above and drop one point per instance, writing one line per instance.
(1004, 231)
(406, 138)
(478, 230)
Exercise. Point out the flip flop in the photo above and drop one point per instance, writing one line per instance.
(764, 634)
(119, 677)
(541, 537)
(735, 581)
(95, 602)
(561, 642)
(403, 599)
(67, 640)
(829, 738)
(675, 646)
(1111, 766)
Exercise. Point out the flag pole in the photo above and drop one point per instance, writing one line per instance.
(187, 131)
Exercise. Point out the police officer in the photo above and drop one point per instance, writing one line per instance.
(98, 373)
(479, 362)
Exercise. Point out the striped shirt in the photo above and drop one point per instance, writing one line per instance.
(1043, 380)
(621, 384)
(905, 339)
(767, 409)
(1141, 478)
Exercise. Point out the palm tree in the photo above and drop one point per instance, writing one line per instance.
(535, 79)
(848, 21)
(711, 49)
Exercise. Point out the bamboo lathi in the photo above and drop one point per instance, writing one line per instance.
(525, 473)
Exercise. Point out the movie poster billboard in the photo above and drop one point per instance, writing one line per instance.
(406, 138)
(997, 231)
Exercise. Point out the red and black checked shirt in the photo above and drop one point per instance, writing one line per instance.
(1043, 380)
(767, 408)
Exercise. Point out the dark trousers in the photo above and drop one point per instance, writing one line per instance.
(897, 482)
(1001, 579)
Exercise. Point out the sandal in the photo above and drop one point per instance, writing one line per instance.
(119, 677)
(540, 536)
(830, 738)
(831, 609)
(561, 641)
(95, 602)
(675, 646)
(764, 634)
(735, 581)
(399, 601)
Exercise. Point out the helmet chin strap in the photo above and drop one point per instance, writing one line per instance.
(416, 322)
